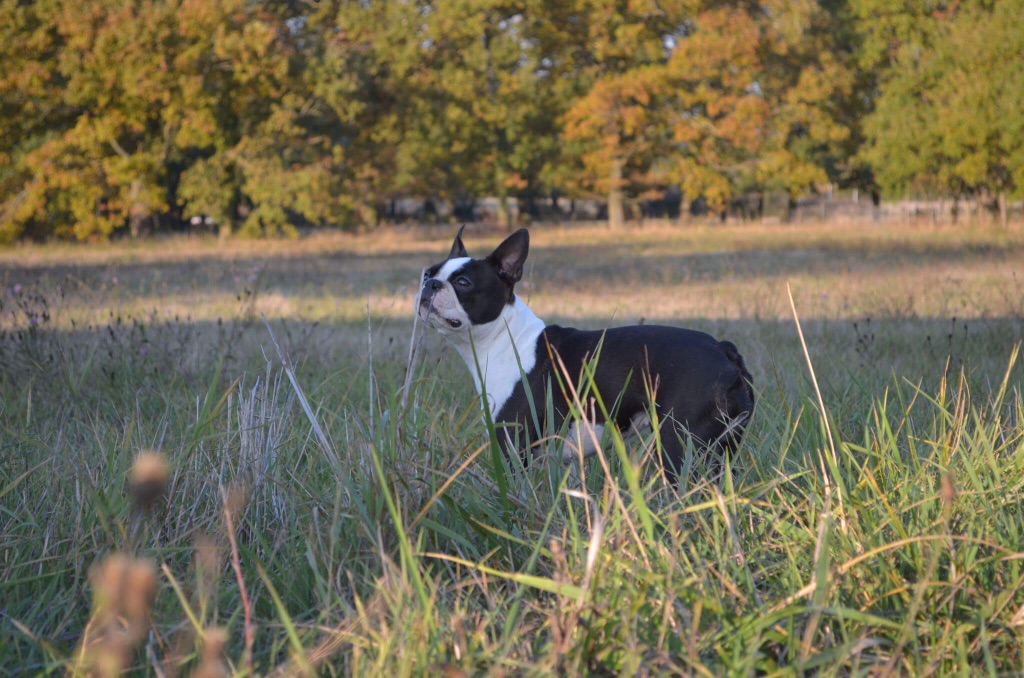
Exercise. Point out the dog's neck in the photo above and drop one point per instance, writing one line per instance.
(495, 346)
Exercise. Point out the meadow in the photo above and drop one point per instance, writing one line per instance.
(323, 512)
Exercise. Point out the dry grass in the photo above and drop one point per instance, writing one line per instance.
(582, 273)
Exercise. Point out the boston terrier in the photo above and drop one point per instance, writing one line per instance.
(700, 387)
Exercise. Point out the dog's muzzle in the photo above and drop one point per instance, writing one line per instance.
(430, 288)
(426, 309)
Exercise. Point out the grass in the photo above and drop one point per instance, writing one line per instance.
(386, 538)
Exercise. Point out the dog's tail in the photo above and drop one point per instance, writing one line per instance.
(739, 397)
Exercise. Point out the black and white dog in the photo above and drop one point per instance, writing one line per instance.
(700, 386)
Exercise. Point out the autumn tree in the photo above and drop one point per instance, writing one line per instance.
(773, 93)
(300, 139)
(32, 105)
(719, 97)
(613, 49)
(809, 83)
(368, 73)
(942, 123)
(141, 89)
(717, 114)
(177, 108)
(262, 117)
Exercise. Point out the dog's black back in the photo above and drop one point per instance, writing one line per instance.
(701, 387)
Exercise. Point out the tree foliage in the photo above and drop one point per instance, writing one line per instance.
(135, 115)
(947, 120)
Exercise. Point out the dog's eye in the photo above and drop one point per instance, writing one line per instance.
(463, 281)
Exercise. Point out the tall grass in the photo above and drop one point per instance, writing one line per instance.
(417, 550)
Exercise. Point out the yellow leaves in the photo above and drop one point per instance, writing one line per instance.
(615, 107)
(697, 178)
(941, 119)
(310, 112)
(781, 167)
(515, 182)
(722, 48)
(613, 122)
(86, 179)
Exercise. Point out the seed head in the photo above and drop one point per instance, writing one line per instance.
(947, 491)
(140, 589)
(123, 592)
(148, 478)
(212, 665)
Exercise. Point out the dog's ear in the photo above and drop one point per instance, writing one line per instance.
(458, 249)
(508, 258)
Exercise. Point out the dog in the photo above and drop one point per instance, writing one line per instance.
(700, 387)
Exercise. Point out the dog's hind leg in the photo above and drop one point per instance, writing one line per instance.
(707, 438)
(675, 439)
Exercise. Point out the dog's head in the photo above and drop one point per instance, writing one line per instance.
(461, 292)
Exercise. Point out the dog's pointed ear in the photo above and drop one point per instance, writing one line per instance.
(508, 258)
(458, 249)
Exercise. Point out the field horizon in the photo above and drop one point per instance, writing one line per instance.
(331, 515)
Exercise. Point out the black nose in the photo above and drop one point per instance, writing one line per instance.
(434, 284)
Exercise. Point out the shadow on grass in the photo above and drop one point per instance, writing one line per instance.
(334, 273)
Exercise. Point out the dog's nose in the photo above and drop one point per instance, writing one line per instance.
(434, 284)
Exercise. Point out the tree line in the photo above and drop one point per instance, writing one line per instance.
(260, 115)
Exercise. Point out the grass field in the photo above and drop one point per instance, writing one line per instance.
(883, 534)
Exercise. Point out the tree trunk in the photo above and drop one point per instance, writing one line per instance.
(503, 215)
(137, 212)
(790, 208)
(1003, 209)
(616, 214)
(987, 206)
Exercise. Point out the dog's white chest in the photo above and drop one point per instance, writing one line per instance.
(500, 352)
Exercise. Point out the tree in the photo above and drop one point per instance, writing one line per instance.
(139, 83)
(613, 48)
(31, 102)
(172, 108)
(941, 120)
(32, 105)
(495, 111)
(118, 65)
(810, 85)
(462, 105)
(718, 114)
(733, 97)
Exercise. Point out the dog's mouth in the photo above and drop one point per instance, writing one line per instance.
(426, 312)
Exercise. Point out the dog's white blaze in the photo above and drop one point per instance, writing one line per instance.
(496, 344)
(450, 267)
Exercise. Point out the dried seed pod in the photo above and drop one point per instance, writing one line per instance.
(212, 664)
(123, 592)
(148, 478)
